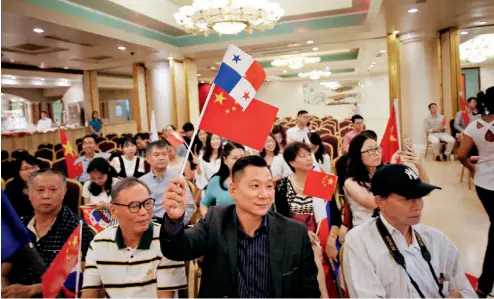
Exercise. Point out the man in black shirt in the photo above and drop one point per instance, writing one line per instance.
(49, 229)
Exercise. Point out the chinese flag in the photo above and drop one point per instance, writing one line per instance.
(390, 142)
(319, 184)
(223, 116)
(58, 271)
(72, 170)
(175, 139)
(466, 117)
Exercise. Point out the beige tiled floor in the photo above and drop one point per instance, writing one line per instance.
(457, 212)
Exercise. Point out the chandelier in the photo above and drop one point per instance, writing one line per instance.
(331, 85)
(314, 75)
(295, 63)
(228, 16)
(478, 49)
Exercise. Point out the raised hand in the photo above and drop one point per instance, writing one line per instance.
(175, 199)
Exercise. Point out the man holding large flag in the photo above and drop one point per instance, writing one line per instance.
(50, 227)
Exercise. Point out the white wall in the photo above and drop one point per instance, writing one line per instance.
(486, 76)
(289, 98)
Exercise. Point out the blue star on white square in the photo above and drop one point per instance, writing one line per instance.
(236, 58)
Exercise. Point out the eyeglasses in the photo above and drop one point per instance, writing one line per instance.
(29, 168)
(135, 206)
(373, 151)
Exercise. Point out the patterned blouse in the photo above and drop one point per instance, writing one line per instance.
(288, 202)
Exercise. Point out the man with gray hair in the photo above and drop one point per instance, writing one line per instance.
(134, 244)
(50, 226)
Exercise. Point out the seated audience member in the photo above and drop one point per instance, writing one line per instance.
(217, 192)
(188, 129)
(160, 177)
(128, 164)
(233, 239)
(358, 127)
(322, 158)
(89, 147)
(49, 229)
(17, 190)
(460, 122)
(291, 202)
(199, 143)
(181, 150)
(435, 130)
(141, 144)
(271, 153)
(209, 163)
(280, 135)
(97, 191)
(480, 132)
(44, 122)
(394, 255)
(364, 158)
(176, 163)
(134, 242)
(301, 130)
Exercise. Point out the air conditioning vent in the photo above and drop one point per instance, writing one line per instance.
(421, 1)
(30, 47)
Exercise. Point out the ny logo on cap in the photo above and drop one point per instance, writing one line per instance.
(411, 174)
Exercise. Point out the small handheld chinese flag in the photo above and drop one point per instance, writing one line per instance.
(175, 139)
(58, 271)
(466, 117)
(390, 142)
(73, 171)
(320, 184)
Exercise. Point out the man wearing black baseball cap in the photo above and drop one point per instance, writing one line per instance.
(393, 255)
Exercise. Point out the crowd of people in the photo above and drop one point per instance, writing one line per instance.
(258, 232)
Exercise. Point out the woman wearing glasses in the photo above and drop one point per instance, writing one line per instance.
(217, 190)
(364, 157)
(16, 190)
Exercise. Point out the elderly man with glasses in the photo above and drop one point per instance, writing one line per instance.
(125, 260)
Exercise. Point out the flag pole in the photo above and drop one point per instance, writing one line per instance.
(196, 130)
(78, 272)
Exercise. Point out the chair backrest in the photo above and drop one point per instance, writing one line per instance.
(328, 148)
(111, 135)
(73, 196)
(18, 153)
(147, 166)
(59, 154)
(3, 184)
(335, 144)
(5, 155)
(79, 147)
(8, 169)
(344, 123)
(60, 165)
(452, 127)
(345, 130)
(44, 163)
(107, 146)
(78, 140)
(45, 153)
(45, 145)
(57, 147)
(99, 139)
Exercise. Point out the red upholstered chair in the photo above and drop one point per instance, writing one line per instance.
(344, 124)
(99, 139)
(45, 153)
(18, 153)
(335, 144)
(291, 125)
(59, 165)
(110, 136)
(147, 167)
(5, 155)
(57, 147)
(345, 130)
(45, 145)
(44, 163)
(59, 154)
(107, 146)
(7, 169)
(73, 196)
(79, 147)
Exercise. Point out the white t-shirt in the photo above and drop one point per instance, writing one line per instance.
(44, 124)
(102, 197)
(295, 134)
(279, 167)
(208, 169)
(129, 165)
(360, 214)
(484, 169)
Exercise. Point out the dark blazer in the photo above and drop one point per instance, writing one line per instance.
(293, 270)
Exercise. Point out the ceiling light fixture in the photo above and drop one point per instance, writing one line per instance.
(198, 75)
(285, 71)
(315, 49)
(9, 81)
(38, 30)
(63, 82)
(37, 82)
(382, 51)
(121, 48)
(66, 67)
(413, 10)
(295, 63)
(482, 23)
(331, 85)
(464, 33)
(202, 82)
(310, 42)
(314, 75)
(169, 58)
(212, 68)
(228, 16)
(478, 49)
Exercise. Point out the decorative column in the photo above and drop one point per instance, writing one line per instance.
(394, 76)
(91, 93)
(420, 82)
(139, 104)
(161, 90)
(450, 71)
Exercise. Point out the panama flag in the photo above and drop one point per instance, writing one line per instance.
(95, 219)
(240, 76)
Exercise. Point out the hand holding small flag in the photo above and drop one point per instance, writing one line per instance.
(319, 184)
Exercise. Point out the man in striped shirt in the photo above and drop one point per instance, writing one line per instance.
(125, 261)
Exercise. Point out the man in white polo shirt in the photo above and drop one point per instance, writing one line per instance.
(300, 131)
(44, 122)
(125, 260)
(393, 255)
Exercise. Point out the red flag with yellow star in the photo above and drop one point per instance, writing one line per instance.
(390, 142)
(66, 259)
(73, 171)
(223, 116)
(320, 184)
